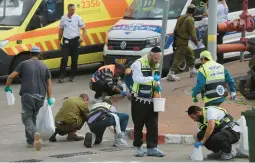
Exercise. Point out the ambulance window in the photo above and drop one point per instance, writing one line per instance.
(251, 4)
(234, 5)
(48, 12)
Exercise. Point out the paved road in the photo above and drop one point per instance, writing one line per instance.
(12, 137)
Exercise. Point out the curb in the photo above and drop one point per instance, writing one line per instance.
(166, 138)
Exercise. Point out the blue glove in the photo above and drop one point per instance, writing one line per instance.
(197, 144)
(7, 89)
(156, 77)
(50, 101)
(158, 89)
(123, 93)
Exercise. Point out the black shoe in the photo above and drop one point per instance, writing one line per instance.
(53, 138)
(88, 142)
(61, 80)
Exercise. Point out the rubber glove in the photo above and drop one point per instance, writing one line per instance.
(158, 89)
(233, 95)
(195, 99)
(123, 93)
(7, 89)
(156, 77)
(50, 101)
(197, 144)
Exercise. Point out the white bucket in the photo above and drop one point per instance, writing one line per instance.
(159, 104)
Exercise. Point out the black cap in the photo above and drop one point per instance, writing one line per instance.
(155, 50)
(120, 66)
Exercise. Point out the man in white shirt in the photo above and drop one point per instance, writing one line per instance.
(145, 76)
(69, 30)
(218, 131)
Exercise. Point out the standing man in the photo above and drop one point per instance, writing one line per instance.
(35, 83)
(145, 75)
(105, 81)
(211, 81)
(184, 30)
(71, 117)
(69, 29)
(218, 131)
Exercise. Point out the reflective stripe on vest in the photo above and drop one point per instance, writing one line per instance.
(111, 67)
(215, 81)
(219, 124)
(145, 90)
(99, 107)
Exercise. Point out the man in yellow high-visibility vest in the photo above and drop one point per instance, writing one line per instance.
(211, 81)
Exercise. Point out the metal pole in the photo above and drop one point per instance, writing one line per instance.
(163, 32)
(242, 53)
(4, 9)
(212, 28)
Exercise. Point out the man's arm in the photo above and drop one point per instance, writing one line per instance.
(192, 31)
(109, 80)
(201, 81)
(85, 111)
(61, 30)
(209, 130)
(113, 109)
(82, 27)
(11, 77)
(49, 90)
(138, 76)
(230, 81)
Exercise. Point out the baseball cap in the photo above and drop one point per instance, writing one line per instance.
(35, 49)
(206, 54)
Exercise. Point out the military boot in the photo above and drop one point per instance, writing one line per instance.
(73, 137)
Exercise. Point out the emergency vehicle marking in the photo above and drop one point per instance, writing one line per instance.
(90, 3)
(122, 6)
(125, 27)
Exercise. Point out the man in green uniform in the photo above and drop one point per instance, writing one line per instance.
(71, 117)
(184, 29)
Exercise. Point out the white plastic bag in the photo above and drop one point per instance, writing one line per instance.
(197, 154)
(10, 98)
(242, 146)
(45, 122)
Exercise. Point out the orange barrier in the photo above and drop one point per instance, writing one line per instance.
(226, 48)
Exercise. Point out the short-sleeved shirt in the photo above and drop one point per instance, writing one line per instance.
(71, 26)
(34, 76)
(213, 113)
(222, 13)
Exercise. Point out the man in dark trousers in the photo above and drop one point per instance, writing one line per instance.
(69, 29)
(218, 131)
(145, 76)
(35, 83)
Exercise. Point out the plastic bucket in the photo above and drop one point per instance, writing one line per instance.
(159, 104)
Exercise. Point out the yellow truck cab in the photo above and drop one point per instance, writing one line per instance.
(24, 23)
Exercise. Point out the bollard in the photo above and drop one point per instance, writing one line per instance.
(250, 121)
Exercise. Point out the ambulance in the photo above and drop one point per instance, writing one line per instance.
(24, 23)
(140, 30)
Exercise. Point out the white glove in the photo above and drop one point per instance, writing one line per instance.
(233, 95)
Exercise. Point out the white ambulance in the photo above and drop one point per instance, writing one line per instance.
(140, 30)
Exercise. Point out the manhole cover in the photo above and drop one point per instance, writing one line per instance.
(73, 154)
(31, 160)
(117, 149)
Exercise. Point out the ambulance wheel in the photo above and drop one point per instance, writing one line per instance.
(17, 60)
(183, 65)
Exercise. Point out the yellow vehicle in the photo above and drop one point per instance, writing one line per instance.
(24, 23)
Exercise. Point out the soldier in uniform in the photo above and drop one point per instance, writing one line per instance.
(184, 29)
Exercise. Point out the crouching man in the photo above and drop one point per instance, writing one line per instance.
(71, 117)
(218, 131)
(101, 116)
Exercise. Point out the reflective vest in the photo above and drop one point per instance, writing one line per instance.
(101, 107)
(215, 86)
(111, 67)
(226, 121)
(145, 90)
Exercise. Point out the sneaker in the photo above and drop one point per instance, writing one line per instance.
(72, 79)
(172, 77)
(227, 156)
(214, 155)
(139, 152)
(119, 141)
(61, 80)
(30, 145)
(90, 139)
(37, 142)
(192, 71)
(155, 152)
(73, 137)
